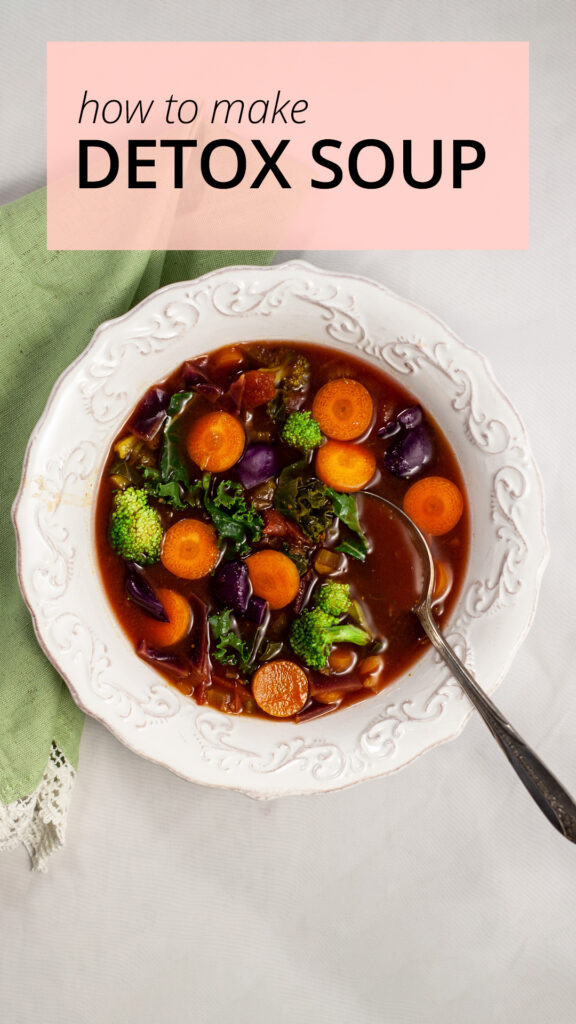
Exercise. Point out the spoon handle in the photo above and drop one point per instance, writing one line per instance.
(543, 787)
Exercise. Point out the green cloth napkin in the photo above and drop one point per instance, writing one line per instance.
(50, 305)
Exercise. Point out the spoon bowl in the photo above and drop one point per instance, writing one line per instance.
(553, 800)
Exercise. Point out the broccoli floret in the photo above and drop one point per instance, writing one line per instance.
(296, 375)
(313, 634)
(135, 527)
(334, 598)
(292, 368)
(301, 431)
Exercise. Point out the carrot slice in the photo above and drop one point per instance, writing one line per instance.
(280, 688)
(345, 467)
(435, 504)
(216, 441)
(229, 358)
(165, 634)
(190, 549)
(343, 408)
(274, 577)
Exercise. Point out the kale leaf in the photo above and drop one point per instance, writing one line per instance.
(313, 506)
(233, 518)
(306, 500)
(170, 483)
(353, 546)
(169, 493)
(346, 509)
(172, 493)
(299, 555)
(230, 648)
(172, 468)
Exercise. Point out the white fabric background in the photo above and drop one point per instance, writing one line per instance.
(436, 896)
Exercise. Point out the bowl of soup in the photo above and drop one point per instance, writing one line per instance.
(200, 553)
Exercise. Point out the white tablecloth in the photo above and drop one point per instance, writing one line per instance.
(438, 895)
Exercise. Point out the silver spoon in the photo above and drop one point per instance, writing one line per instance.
(543, 787)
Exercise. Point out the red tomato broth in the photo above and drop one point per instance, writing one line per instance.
(387, 583)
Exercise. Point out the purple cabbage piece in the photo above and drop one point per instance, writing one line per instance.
(200, 637)
(410, 453)
(256, 610)
(407, 420)
(193, 377)
(139, 590)
(175, 663)
(315, 711)
(307, 583)
(150, 413)
(411, 417)
(258, 464)
(389, 429)
(412, 449)
(231, 586)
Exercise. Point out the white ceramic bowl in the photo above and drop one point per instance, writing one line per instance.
(54, 519)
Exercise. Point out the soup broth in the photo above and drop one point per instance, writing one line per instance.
(265, 498)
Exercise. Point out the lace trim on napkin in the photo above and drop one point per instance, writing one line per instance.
(39, 820)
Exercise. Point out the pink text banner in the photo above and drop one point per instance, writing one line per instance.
(188, 145)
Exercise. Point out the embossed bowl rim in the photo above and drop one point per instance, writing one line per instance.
(418, 711)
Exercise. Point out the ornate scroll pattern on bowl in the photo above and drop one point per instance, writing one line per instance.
(337, 308)
(105, 405)
(407, 357)
(52, 576)
(77, 642)
(216, 733)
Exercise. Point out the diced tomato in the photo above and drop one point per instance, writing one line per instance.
(259, 388)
